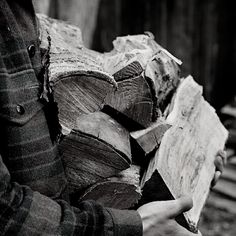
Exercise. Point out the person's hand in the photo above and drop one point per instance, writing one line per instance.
(158, 217)
(220, 162)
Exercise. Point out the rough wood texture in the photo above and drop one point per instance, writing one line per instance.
(120, 192)
(98, 147)
(185, 158)
(150, 138)
(163, 73)
(133, 97)
(157, 71)
(145, 50)
(144, 72)
(78, 79)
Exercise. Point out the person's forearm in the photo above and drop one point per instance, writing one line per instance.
(25, 212)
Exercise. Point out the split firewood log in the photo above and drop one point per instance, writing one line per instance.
(129, 77)
(146, 74)
(133, 97)
(150, 138)
(98, 147)
(76, 74)
(121, 191)
(184, 161)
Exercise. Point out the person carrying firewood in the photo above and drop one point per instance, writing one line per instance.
(33, 187)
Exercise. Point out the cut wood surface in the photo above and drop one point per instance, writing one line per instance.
(75, 72)
(146, 74)
(185, 158)
(121, 191)
(133, 97)
(103, 127)
(150, 138)
(98, 147)
(160, 68)
(77, 94)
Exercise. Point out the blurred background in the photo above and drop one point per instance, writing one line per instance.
(202, 33)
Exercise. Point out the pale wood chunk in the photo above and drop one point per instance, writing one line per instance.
(150, 138)
(162, 73)
(121, 191)
(185, 158)
(98, 147)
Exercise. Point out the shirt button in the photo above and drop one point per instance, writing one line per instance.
(31, 50)
(20, 109)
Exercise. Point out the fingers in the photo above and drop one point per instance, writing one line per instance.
(216, 178)
(220, 160)
(179, 206)
(223, 155)
(219, 163)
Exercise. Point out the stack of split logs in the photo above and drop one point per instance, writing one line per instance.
(133, 131)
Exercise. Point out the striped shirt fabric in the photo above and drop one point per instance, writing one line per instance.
(33, 197)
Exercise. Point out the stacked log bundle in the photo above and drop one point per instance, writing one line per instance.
(134, 132)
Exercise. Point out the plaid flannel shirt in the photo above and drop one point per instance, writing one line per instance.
(32, 178)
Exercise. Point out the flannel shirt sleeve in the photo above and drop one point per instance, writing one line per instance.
(25, 212)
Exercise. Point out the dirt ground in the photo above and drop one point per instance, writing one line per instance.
(217, 222)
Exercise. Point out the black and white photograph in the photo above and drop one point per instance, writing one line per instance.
(117, 118)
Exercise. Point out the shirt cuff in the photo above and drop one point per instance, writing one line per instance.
(126, 222)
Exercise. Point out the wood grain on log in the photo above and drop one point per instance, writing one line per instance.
(163, 75)
(79, 93)
(133, 97)
(150, 138)
(121, 191)
(160, 68)
(98, 147)
(76, 73)
(138, 64)
(185, 158)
